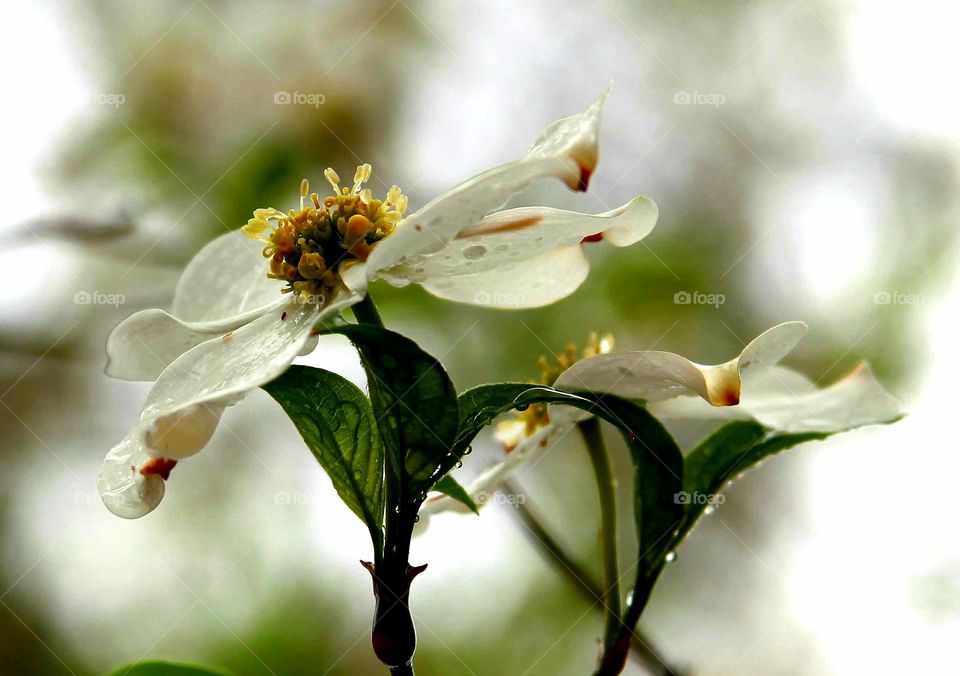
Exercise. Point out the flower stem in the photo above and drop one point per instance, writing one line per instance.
(609, 549)
(643, 650)
(393, 634)
(366, 312)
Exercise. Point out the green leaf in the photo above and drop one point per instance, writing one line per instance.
(413, 399)
(480, 405)
(724, 455)
(161, 668)
(337, 423)
(657, 460)
(451, 487)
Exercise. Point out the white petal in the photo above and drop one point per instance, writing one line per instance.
(656, 376)
(145, 343)
(227, 277)
(855, 400)
(567, 150)
(524, 284)
(757, 385)
(185, 404)
(516, 235)
(124, 490)
(219, 372)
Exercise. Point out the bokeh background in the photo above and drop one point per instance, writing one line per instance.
(804, 157)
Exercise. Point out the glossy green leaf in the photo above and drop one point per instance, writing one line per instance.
(724, 455)
(337, 423)
(161, 668)
(480, 405)
(451, 487)
(658, 462)
(413, 399)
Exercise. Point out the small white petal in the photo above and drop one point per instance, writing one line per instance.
(227, 277)
(567, 150)
(514, 236)
(656, 376)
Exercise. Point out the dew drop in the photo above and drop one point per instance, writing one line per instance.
(459, 464)
(474, 252)
(468, 451)
(709, 509)
(670, 557)
(416, 519)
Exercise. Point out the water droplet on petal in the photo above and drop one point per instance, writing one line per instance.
(670, 557)
(474, 252)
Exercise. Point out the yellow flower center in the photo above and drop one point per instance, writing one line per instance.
(306, 247)
(528, 421)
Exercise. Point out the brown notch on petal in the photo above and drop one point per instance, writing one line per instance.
(598, 237)
(159, 466)
(729, 397)
(510, 226)
(585, 174)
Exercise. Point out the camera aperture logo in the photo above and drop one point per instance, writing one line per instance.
(314, 99)
(499, 299)
(99, 298)
(699, 298)
(698, 498)
(683, 98)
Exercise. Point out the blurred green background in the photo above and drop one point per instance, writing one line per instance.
(804, 158)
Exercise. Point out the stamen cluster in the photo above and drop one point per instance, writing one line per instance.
(528, 421)
(307, 246)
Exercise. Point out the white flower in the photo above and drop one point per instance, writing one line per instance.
(749, 387)
(232, 330)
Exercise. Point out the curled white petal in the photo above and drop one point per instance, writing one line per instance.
(183, 407)
(567, 150)
(145, 343)
(506, 239)
(656, 376)
(124, 490)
